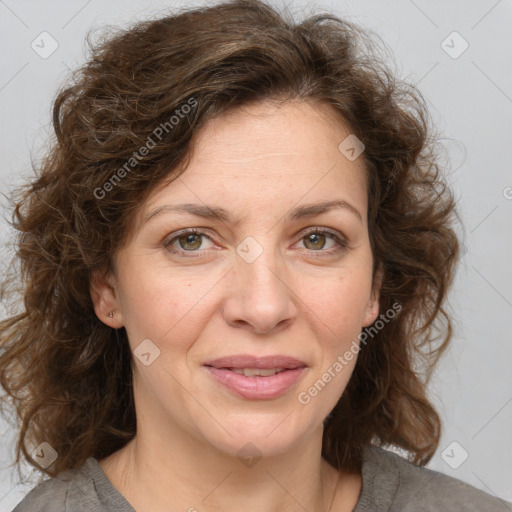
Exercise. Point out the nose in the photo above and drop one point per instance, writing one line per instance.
(259, 298)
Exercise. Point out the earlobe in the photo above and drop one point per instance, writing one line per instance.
(373, 307)
(371, 313)
(103, 295)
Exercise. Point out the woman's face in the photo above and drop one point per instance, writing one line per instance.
(264, 278)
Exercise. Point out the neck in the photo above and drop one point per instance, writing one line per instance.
(176, 477)
(167, 467)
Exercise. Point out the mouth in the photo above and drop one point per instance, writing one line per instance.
(255, 372)
(257, 378)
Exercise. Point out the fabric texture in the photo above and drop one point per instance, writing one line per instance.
(390, 484)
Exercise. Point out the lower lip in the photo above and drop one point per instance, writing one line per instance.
(257, 388)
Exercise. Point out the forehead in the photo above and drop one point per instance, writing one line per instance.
(265, 155)
(267, 131)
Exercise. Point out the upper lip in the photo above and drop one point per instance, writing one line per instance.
(249, 361)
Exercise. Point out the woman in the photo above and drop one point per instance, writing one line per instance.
(233, 258)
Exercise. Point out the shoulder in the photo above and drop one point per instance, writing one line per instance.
(74, 490)
(49, 495)
(392, 483)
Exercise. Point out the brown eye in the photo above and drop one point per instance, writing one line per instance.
(187, 242)
(314, 241)
(190, 241)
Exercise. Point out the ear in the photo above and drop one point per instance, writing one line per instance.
(102, 288)
(372, 308)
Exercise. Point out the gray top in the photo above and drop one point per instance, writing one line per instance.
(390, 484)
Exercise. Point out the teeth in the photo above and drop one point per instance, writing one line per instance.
(257, 372)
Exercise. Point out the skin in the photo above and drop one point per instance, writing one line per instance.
(301, 297)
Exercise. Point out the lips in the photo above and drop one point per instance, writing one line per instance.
(256, 377)
(252, 362)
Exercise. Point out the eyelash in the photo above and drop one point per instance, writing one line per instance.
(340, 240)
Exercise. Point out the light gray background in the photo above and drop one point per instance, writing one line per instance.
(470, 98)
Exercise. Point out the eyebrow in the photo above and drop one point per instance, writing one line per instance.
(216, 212)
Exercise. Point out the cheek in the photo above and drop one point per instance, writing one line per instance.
(341, 301)
(337, 310)
(164, 307)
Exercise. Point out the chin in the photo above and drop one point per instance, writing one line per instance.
(264, 434)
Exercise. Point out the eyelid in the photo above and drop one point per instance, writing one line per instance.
(182, 232)
(338, 237)
(329, 231)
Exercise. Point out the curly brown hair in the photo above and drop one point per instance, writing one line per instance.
(67, 375)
